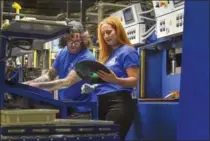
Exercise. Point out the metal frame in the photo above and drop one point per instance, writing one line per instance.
(141, 50)
(36, 130)
(106, 138)
(93, 132)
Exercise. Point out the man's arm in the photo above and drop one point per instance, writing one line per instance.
(71, 79)
(49, 76)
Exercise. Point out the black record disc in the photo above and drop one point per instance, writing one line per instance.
(87, 70)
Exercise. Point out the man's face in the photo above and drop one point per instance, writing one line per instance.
(74, 44)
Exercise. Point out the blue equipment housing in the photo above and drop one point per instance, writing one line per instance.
(188, 118)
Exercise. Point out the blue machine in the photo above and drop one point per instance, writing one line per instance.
(155, 113)
(17, 30)
(188, 118)
(193, 123)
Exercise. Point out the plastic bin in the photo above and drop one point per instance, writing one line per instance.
(27, 117)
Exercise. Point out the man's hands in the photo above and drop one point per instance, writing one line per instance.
(32, 84)
(87, 88)
(107, 77)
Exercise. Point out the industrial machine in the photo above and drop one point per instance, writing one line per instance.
(135, 22)
(169, 25)
(160, 74)
(21, 33)
(169, 17)
(165, 119)
(167, 46)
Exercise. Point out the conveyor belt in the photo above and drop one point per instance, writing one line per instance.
(63, 130)
(91, 138)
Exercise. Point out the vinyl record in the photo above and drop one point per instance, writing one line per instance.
(87, 70)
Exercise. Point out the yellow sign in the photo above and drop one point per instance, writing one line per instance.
(164, 3)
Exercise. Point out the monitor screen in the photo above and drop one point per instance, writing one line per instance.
(178, 2)
(128, 15)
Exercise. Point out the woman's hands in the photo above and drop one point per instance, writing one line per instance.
(128, 82)
(108, 77)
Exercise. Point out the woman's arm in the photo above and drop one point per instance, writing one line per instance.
(132, 79)
(129, 82)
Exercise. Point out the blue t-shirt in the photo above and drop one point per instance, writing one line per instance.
(64, 63)
(120, 59)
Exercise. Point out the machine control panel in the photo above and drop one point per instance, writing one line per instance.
(134, 33)
(132, 22)
(170, 24)
(168, 6)
(169, 17)
(129, 15)
(162, 7)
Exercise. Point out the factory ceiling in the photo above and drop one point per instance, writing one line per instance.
(55, 7)
(83, 10)
(47, 7)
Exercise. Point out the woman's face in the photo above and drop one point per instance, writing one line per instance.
(109, 34)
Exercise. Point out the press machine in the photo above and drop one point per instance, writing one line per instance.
(24, 32)
(169, 17)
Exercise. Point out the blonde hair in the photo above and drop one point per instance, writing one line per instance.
(121, 37)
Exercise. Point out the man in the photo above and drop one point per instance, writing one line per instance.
(69, 83)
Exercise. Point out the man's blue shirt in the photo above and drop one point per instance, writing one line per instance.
(64, 63)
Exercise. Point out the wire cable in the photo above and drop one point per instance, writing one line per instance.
(16, 43)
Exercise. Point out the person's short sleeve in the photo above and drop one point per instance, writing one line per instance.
(131, 59)
(85, 57)
(56, 63)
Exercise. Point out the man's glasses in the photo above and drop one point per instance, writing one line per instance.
(74, 43)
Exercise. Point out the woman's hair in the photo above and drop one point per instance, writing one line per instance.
(104, 50)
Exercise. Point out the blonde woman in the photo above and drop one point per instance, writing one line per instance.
(117, 54)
